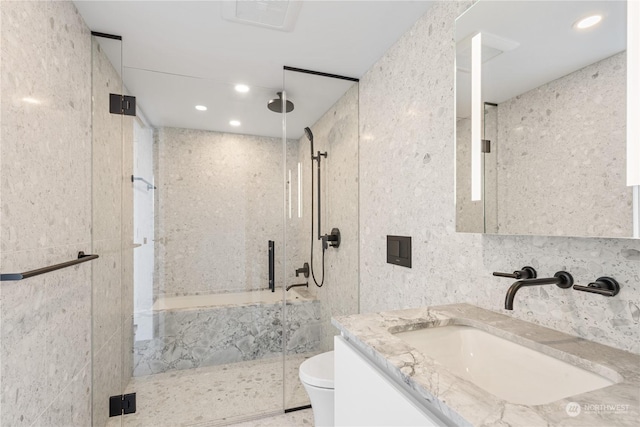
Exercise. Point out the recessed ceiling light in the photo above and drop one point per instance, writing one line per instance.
(587, 22)
(235, 123)
(201, 108)
(242, 88)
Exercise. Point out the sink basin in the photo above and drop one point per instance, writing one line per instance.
(508, 370)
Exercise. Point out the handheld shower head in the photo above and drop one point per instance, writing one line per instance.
(309, 134)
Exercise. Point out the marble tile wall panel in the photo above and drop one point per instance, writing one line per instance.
(581, 116)
(72, 406)
(336, 132)
(415, 140)
(107, 293)
(46, 142)
(304, 327)
(189, 339)
(45, 190)
(43, 317)
(107, 149)
(219, 201)
(107, 368)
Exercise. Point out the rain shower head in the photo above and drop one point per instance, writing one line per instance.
(275, 104)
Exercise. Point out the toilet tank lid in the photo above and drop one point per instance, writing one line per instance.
(318, 370)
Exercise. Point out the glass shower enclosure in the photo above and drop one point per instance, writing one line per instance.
(209, 223)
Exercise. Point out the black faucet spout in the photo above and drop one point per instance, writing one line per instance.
(306, 285)
(562, 279)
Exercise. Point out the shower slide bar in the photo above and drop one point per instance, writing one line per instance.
(150, 186)
(272, 266)
(82, 257)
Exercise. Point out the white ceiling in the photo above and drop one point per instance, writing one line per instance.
(177, 54)
(548, 45)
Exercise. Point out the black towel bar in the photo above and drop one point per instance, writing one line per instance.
(82, 257)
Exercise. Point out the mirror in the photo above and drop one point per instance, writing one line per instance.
(553, 106)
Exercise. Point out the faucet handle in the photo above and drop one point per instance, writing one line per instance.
(524, 273)
(607, 286)
(304, 270)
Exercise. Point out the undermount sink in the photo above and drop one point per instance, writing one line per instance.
(508, 370)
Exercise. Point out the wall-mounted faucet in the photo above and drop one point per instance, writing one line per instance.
(306, 285)
(562, 279)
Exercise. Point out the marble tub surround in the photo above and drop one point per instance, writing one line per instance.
(465, 403)
(197, 336)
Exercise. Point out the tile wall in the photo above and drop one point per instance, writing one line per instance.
(49, 170)
(45, 190)
(407, 130)
(219, 201)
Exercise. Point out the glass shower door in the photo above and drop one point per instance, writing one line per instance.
(207, 197)
(108, 219)
(321, 172)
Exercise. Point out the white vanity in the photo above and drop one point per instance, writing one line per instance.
(463, 365)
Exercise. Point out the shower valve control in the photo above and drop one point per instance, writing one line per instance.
(332, 239)
(304, 270)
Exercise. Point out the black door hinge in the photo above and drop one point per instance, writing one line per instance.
(122, 104)
(486, 146)
(122, 404)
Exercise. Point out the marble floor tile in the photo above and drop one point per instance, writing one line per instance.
(292, 419)
(219, 395)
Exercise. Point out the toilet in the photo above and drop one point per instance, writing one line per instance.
(316, 374)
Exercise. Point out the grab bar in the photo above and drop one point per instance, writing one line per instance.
(272, 273)
(82, 257)
(150, 186)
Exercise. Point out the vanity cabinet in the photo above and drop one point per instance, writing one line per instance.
(365, 396)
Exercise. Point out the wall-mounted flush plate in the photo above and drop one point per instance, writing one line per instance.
(399, 250)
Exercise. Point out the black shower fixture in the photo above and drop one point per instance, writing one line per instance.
(328, 240)
(275, 104)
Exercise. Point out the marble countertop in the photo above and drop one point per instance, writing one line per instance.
(465, 403)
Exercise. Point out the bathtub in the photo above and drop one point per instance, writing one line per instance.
(205, 330)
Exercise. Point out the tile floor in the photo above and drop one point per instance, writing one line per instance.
(220, 395)
(292, 419)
